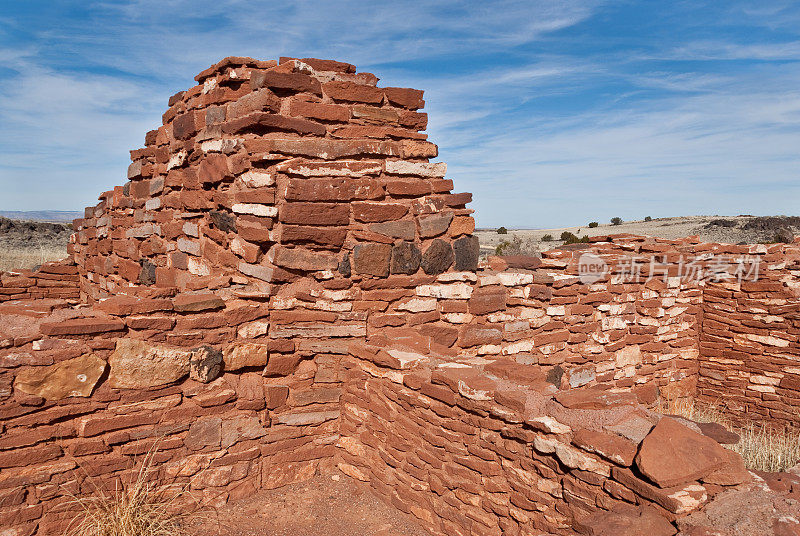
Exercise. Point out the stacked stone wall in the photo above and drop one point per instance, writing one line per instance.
(750, 347)
(53, 280)
(490, 448)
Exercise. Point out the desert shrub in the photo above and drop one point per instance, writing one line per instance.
(593, 224)
(616, 220)
(761, 447)
(143, 507)
(648, 218)
(720, 222)
(569, 238)
(772, 223)
(502, 230)
(547, 238)
(782, 236)
(27, 257)
(516, 246)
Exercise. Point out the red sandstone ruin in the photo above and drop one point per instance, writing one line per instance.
(286, 284)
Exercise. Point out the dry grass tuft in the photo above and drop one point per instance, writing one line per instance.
(18, 258)
(144, 507)
(762, 448)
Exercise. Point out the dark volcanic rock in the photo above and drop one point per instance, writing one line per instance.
(344, 267)
(223, 221)
(467, 251)
(437, 258)
(205, 364)
(406, 258)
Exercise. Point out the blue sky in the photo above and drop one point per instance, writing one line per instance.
(551, 112)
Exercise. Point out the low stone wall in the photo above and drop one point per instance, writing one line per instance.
(489, 448)
(93, 392)
(52, 280)
(750, 349)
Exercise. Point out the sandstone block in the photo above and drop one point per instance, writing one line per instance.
(487, 300)
(343, 168)
(82, 326)
(628, 520)
(350, 92)
(304, 259)
(431, 225)
(323, 236)
(130, 305)
(370, 212)
(288, 81)
(462, 225)
(405, 97)
(315, 213)
(332, 189)
(594, 398)
(476, 335)
(322, 112)
(243, 355)
(257, 101)
(193, 303)
(372, 259)
(240, 428)
(140, 365)
(408, 188)
(276, 395)
(73, 377)
(672, 454)
(266, 122)
(402, 229)
(609, 446)
(204, 433)
(311, 418)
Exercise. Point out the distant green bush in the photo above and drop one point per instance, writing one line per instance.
(593, 224)
(648, 218)
(502, 230)
(569, 238)
(547, 238)
(616, 220)
(516, 246)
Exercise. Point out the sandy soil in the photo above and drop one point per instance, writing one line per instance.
(321, 506)
(709, 228)
(25, 244)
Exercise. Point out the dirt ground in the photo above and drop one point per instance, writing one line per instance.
(25, 244)
(327, 505)
(723, 229)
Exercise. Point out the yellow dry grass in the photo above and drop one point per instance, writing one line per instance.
(761, 447)
(144, 507)
(18, 258)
